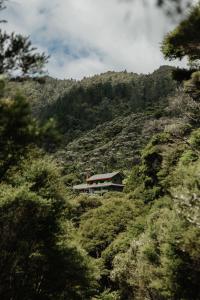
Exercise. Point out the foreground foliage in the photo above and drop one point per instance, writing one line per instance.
(39, 258)
(142, 244)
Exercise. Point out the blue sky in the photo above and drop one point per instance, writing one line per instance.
(86, 37)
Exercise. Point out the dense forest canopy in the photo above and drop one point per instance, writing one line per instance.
(140, 244)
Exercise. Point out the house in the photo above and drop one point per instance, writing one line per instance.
(101, 183)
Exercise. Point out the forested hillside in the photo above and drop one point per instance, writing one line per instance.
(115, 145)
(104, 120)
(139, 244)
(78, 106)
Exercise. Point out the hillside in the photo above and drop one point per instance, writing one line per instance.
(113, 145)
(105, 120)
(136, 241)
(79, 106)
(122, 244)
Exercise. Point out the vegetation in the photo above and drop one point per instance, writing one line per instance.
(140, 244)
(37, 238)
(17, 55)
(183, 41)
(104, 120)
(83, 105)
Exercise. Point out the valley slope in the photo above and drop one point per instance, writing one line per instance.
(104, 120)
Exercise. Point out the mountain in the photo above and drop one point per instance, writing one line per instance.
(82, 105)
(113, 145)
(140, 243)
(105, 120)
(141, 124)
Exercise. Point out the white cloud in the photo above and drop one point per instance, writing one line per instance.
(86, 37)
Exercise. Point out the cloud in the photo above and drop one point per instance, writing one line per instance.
(85, 37)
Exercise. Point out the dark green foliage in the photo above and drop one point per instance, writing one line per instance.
(109, 100)
(144, 243)
(18, 130)
(133, 179)
(162, 261)
(158, 263)
(184, 40)
(102, 98)
(195, 139)
(107, 230)
(101, 225)
(81, 205)
(111, 146)
(41, 91)
(185, 188)
(38, 257)
(192, 86)
(82, 105)
(146, 179)
(17, 54)
(182, 74)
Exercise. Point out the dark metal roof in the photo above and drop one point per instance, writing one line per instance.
(103, 176)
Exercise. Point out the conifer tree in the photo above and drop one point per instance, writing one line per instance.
(18, 55)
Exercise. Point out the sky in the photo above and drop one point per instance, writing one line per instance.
(87, 37)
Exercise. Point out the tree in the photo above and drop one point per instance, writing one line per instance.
(17, 130)
(37, 243)
(38, 257)
(184, 40)
(100, 226)
(185, 182)
(162, 262)
(18, 55)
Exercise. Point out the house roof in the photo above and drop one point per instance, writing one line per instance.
(103, 176)
(86, 186)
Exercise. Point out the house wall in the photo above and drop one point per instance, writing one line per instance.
(117, 179)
